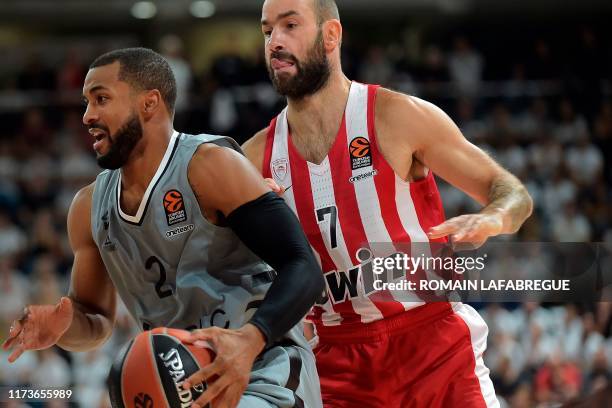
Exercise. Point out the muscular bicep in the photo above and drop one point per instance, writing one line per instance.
(90, 286)
(223, 180)
(442, 148)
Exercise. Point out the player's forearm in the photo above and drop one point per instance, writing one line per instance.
(87, 331)
(269, 228)
(509, 199)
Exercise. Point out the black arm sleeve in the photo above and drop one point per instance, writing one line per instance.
(271, 230)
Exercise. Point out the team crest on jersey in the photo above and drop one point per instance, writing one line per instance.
(280, 168)
(174, 206)
(361, 155)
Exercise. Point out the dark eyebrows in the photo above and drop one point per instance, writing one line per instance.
(281, 16)
(95, 89)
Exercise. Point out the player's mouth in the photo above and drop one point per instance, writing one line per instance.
(281, 64)
(100, 136)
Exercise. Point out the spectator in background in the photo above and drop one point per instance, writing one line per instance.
(13, 290)
(466, 66)
(603, 137)
(376, 69)
(558, 192)
(572, 126)
(584, 161)
(557, 380)
(171, 47)
(51, 371)
(35, 76)
(545, 156)
(71, 74)
(474, 129)
(571, 225)
(13, 240)
(35, 133)
(542, 64)
(535, 121)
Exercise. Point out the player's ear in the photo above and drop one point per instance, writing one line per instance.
(332, 34)
(151, 102)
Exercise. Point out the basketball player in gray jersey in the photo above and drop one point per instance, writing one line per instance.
(188, 234)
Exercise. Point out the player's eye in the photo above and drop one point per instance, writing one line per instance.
(291, 25)
(101, 99)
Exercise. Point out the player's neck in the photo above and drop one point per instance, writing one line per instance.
(319, 115)
(144, 161)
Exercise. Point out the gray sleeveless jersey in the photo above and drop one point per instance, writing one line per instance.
(170, 266)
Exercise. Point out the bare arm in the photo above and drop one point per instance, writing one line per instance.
(82, 321)
(254, 149)
(437, 143)
(91, 290)
(230, 190)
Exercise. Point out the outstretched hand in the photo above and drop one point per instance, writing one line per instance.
(40, 327)
(471, 230)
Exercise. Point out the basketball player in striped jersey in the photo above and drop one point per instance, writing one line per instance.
(356, 164)
(185, 231)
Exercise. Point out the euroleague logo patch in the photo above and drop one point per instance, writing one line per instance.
(361, 155)
(174, 207)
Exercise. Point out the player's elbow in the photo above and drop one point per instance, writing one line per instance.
(312, 284)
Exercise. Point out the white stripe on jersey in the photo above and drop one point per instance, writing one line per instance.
(410, 221)
(280, 151)
(323, 196)
(365, 190)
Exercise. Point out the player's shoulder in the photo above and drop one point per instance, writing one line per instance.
(212, 156)
(80, 209)
(390, 103)
(257, 142)
(84, 195)
(254, 147)
(407, 112)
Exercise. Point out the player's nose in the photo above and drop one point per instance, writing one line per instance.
(90, 116)
(276, 41)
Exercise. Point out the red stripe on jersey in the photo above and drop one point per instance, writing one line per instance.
(304, 204)
(385, 188)
(349, 216)
(427, 204)
(384, 181)
(346, 199)
(268, 150)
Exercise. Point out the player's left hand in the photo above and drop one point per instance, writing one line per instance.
(471, 230)
(230, 371)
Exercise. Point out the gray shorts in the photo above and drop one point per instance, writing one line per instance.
(283, 376)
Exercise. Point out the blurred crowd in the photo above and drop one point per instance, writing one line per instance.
(546, 116)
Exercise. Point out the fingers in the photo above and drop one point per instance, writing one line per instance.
(202, 375)
(16, 353)
(13, 333)
(446, 228)
(64, 306)
(214, 389)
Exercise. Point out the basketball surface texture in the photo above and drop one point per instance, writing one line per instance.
(150, 369)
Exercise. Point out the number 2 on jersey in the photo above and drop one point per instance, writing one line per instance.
(162, 293)
(332, 211)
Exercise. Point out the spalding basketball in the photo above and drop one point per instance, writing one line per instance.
(150, 369)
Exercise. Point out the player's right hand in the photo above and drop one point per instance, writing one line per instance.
(40, 327)
(278, 189)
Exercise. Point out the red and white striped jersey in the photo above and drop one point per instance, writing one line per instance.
(350, 200)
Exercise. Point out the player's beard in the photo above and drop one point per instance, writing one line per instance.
(312, 73)
(122, 143)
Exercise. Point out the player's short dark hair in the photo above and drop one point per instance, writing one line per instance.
(143, 69)
(326, 10)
